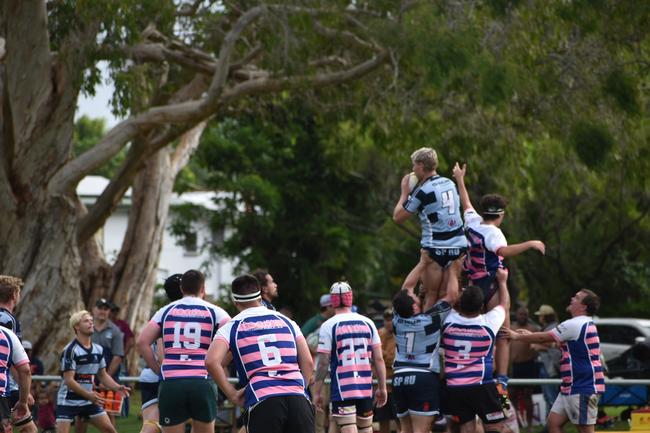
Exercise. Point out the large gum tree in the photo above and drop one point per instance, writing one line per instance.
(175, 66)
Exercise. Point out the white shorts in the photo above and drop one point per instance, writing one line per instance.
(581, 409)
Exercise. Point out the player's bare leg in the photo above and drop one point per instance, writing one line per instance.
(103, 423)
(432, 279)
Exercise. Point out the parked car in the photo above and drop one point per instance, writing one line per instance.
(617, 334)
(633, 363)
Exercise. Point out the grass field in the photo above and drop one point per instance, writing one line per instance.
(133, 422)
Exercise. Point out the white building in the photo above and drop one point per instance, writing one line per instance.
(174, 258)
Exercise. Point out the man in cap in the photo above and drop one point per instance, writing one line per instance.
(326, 311)
(348, 344)
(109, 336)
(548, 354)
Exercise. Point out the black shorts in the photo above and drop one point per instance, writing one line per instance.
(387, 412)
(5, 411)
(149, 393)
(445, 256)
(465, 402)
(488, 286)
(358, 406)
(416, 393)
(281, 414)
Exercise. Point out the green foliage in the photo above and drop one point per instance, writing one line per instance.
(545, 101)
(87, 133)
(592, 142)
(622, 88)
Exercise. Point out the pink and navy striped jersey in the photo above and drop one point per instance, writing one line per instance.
(349, 338)
(263, 343)
(187, 327)
(468, 343)
(580, 368)
(484, 242)
(11, 354)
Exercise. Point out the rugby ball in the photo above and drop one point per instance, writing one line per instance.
(413, 180)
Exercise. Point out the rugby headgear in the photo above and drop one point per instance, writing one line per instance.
(341, 294)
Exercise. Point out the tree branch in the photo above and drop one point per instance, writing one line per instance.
(114, 191)
(266, 85)
(67, 178)
(186, 147)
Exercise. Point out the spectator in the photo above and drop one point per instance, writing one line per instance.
(128, 341)
(548, 354)
(268, 286)
(35, 364)
(387, 413)
(46, 411)
(524, 366)
(326, 311)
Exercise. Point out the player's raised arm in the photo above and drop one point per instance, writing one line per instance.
(515, 249)
(459, 175)
(400, 214)
(504, 296)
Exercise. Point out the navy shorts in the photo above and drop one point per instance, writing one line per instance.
(149, 392)
(358, 406)
(488, 286)
(416, 393)
(68, 413)
(5, 413)
(445, 256)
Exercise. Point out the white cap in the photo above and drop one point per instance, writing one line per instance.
(340, 287)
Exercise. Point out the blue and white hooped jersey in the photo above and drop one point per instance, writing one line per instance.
(86, 363)
(418, 339)
(437, 203)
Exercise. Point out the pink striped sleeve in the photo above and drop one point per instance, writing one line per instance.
(555, 335)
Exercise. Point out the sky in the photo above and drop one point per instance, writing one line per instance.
(98, 105)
